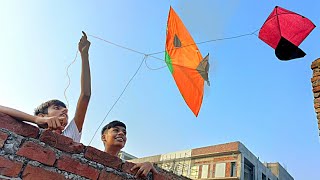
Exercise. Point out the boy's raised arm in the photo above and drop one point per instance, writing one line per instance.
(85, 93)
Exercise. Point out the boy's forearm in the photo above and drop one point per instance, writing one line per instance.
(85, 94)
(85, 75)
(19, 115)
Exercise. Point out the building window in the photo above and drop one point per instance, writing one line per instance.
(220, 170)
(248, 170)
(194, 172)
(264, 177)
(204, 172)
(233, 169)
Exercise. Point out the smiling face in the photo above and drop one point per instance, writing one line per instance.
(115, 137)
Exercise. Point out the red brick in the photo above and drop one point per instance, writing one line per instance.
(3, 138)
(315, 63)
(200, 172)
(315, 79)
(314, 71)
(228, 169)
(213, 169)
(37, 152)
(165, 175)
(315, 74)
(103, 158)
(225, 158)
(221, 148)
(74, 166)
(18, 127)
(108, 175)
(9, 168)
(203, 162)
(316, 100)
(316, 89)
(36, 173)
(61, 142)
(315, 84)
(159, 176)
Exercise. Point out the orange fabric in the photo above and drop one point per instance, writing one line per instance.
(184, 61)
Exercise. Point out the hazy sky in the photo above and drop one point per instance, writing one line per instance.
(254, 98)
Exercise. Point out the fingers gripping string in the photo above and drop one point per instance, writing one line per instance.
(65, 91)
(136, 72)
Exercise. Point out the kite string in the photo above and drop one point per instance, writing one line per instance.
(136, 72)
(153, 69)
(212, 40)
(151, 54)
(203, 42)
(232, 37)
(123, 47)
(69, 81)
(145, 60)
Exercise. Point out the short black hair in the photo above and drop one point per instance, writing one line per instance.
(43, 108)
(113, 124)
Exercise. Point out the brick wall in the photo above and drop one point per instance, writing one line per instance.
(27, 152)
(213, 160)
(315, 80)
(216, 149)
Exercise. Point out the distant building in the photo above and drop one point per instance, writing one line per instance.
(125, 156)
(278, 171)
(230, 161)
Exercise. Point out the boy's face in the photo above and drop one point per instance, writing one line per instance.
(58, 111)
(116, 136)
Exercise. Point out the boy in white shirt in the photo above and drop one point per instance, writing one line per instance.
(53, 114)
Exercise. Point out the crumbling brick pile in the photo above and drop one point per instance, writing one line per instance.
(316, 88)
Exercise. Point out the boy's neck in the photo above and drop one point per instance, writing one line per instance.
(112, 151)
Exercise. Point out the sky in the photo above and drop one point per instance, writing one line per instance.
(254, 98)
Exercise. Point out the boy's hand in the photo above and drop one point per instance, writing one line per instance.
(84, 44)
(143, 169)
(52, 123)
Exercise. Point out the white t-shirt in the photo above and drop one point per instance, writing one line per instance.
(72, 131)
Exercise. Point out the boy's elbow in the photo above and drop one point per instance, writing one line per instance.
(86, 96)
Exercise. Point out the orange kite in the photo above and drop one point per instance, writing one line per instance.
(185, 62)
